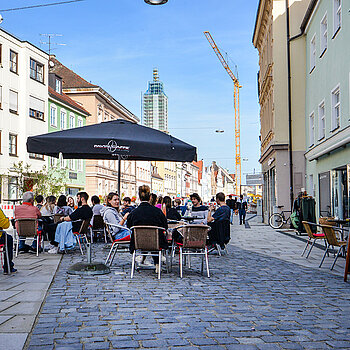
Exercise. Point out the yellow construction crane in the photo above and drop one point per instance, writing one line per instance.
(236, 88)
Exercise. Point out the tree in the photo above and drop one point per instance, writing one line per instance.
(46, 182)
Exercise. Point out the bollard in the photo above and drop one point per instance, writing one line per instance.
(88, 252)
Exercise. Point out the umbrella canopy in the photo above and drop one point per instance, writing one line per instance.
(112, 140)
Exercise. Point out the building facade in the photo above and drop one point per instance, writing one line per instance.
(155, 105)
(327, 115)
(64, 114)
(277, 147)
(101, 175)
(23, 107)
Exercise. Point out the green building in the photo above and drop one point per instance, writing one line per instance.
(65, 113)
(327, 29)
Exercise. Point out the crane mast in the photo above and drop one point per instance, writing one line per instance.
(236, 88)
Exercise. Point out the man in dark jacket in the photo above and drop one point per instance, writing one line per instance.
(147, 215)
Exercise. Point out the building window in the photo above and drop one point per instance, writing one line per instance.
(13, 102)
(53, 116)
(0, 54)
(37, 108)
(63, 119)
(61, 159)
(336, 16)
(313, 53)
(52, 162)
(321, 121)
(80, 165)
(71, 164)
(323, 35)
(0, 142)
(311, 129)
(12, 145)
(71, 121)
(58, 86)
(36, 71)
(336, 108)
(80, 122)
(0, 97)
(13, 61)
(36, 156)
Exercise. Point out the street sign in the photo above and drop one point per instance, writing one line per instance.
(254, 179)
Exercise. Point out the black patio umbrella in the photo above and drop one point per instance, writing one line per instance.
(108, 140)
(118, 139)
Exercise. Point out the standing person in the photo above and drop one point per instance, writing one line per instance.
(27, 210)
(242, 207)
(39, 201)
(111, 215)
(230, 202)
(147, 215)
(4, 224)
(64, 237)
(198, 210)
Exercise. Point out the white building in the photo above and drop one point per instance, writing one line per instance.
(23, 106)
(143, 174)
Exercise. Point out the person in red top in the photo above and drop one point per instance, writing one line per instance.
(27, 210)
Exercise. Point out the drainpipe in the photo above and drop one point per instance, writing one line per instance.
(290, 146)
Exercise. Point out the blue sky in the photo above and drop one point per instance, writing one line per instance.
(117, 43)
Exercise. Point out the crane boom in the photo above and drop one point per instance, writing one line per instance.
(236, 88)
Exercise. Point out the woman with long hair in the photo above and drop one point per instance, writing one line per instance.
(62, 207)
(159, 202)
(112, 216)
(153, 199)
(71, 202)
(171, 213)
(49, 207)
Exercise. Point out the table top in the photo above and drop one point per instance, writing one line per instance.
(339, 221)
(189, 218)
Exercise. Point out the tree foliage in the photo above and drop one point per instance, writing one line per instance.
(47, 181)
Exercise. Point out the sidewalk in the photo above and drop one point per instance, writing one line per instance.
(21, 297)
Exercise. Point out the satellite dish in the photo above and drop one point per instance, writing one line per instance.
(51, 64)
(1, 19)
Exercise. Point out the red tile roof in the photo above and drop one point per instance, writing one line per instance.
(67, 100)
(69, 78)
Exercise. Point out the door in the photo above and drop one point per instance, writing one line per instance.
(324, 185)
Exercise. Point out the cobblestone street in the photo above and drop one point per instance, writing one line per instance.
(251, 301)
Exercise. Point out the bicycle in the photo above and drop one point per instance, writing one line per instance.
(277, 220)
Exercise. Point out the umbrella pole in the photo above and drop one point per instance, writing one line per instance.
(119, 174)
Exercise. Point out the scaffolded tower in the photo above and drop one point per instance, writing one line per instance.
(155, 105)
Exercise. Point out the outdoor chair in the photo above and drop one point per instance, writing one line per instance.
(57, 218)
(194, 243)
(312, 236)
(98, 226)
(332, 240)
(28, 228)
(81, 235)
(4, 253)
(219, 235)
(146, 240)
(124, 243)
(172, 225)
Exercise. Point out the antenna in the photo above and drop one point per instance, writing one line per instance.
(50, 43)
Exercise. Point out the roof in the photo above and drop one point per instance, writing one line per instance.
(67, 100)
(70, 79)
(308, 14)
(257, 19)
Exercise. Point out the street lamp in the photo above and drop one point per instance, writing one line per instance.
(156, 2)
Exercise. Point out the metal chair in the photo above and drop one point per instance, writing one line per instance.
(332, 240)
(312, 236)
(82, 233)
(4, 252)
(194, 243)
(98, 226)
(146, 243)
(28, 228)
(124, 242)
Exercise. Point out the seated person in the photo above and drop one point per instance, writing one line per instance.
(4, 224)
(171, 213)
(96, 205)
(49, 207)
(62, 208)
(127, 207)
(39, 201)
(64, 236)
(111, 215)
(198, 210)
(148, 215)
(223, 213)
(27, 210)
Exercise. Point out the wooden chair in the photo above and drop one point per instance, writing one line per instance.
(312, 236)
(146, 243)
(332, 240)
(28, 228)
(124, 243)
(82, 234)
(194, 243)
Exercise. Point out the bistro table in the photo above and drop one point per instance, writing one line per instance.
(190, 218)
(343, 226)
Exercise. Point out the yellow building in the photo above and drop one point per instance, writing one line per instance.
(279, 147)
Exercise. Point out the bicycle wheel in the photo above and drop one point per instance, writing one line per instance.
(276, 220)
